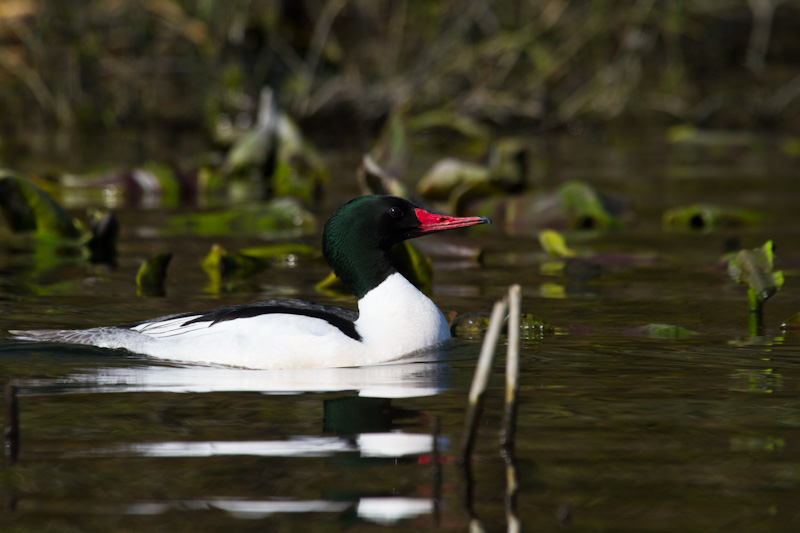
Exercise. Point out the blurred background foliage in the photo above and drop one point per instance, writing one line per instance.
(101, 65)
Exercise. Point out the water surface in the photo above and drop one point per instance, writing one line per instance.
(615, 432)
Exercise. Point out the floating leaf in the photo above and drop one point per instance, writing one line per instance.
(450, 173)
(585, 207)
(278, 217)
(104, 227)
(575, 205)
(474, 326)
(152, 274)
(534, 327)
(792, 323)
(220, 263)
(661, 331)
(469, 325)
(706, 217)
(458, 180)
(689, 134)
(554, 244)
(28, 208)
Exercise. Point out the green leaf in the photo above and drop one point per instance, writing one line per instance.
(29, 208)
(151, 275)
(554, 244)
(754, 269)
(279, 217)
(705, 217)
(662, 331)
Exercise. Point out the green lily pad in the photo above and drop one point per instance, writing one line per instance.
(220, 263)
(474, 326)
(554, 244)
(575, 205)
(27, 208)
(585, 207)
(281, 216)
(705, 217)
(661, 331)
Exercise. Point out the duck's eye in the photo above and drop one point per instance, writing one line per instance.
(395, 212)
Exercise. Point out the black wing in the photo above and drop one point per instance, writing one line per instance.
(339, 317)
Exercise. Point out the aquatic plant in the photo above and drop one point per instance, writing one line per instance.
(755, 270)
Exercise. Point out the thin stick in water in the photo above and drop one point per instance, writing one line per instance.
(512, 368)
(481, 379)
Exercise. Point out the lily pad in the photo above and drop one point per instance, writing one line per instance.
(27, 208)
(282, 216)
(454, 179)
(575, 205)
(706, 217)
(474, 326)
(221, 263)
(661, 331)
(554, 244)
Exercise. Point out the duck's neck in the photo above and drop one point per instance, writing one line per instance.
(360, 267)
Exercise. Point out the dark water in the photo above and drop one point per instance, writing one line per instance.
(615, 432)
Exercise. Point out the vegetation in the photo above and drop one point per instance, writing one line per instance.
(549, 63)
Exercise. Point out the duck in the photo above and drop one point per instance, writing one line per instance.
(393, 319)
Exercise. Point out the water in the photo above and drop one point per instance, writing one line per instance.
(616, 432)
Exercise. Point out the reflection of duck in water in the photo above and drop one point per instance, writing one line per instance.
(393, 317)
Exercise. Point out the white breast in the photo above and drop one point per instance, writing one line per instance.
(395, 317)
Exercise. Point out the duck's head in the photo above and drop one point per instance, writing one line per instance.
(358, 237)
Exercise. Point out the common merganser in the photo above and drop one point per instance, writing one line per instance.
(393, 317)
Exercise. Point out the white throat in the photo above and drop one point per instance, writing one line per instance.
(399, 318)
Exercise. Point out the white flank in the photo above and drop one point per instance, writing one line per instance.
(395, 319)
